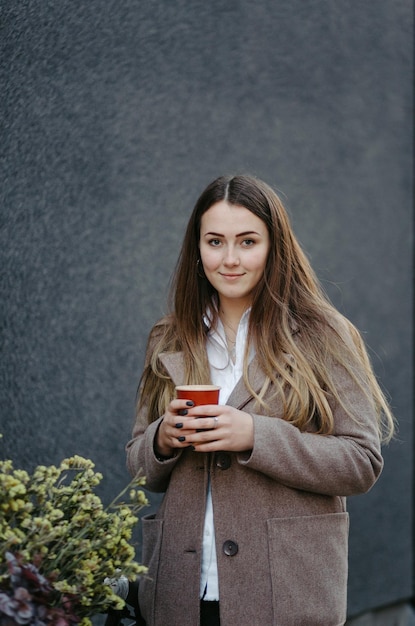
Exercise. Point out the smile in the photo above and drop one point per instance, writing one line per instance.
(231, 276)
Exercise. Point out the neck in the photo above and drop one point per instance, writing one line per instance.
(231, 314)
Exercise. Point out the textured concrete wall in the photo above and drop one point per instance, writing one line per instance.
(114, 116)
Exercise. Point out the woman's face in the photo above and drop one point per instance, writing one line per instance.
(234, 245)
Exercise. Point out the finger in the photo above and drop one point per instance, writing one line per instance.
(179, 405)
(203, 423)
(208, 423)
(208, 446)
(206, 410)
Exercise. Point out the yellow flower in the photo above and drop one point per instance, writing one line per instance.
(12, 485)
(76, 462)
(64, 587)
(6, 466)
(22, 475)
(13, 505)
(54, 519)
(46, 474)
(55, 515)
(11, 537)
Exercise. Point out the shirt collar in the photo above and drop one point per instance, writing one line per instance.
(216, 339)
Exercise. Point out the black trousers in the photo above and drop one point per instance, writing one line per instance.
(209, 613)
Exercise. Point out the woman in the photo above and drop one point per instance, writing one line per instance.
(253, 526)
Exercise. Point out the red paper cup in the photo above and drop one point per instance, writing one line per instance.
(199, 394)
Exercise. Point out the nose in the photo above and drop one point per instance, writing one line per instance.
(231, 257)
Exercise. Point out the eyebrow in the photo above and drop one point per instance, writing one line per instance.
(248, 232)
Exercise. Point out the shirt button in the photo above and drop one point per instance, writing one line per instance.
(230, 548)
(223, 460)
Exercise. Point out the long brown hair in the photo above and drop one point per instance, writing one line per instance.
(296, 332)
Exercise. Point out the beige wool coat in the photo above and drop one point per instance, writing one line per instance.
(280, 515)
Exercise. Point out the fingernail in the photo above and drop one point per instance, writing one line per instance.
(181, 438)
(190, 403)
(183, 412)
(179, 425)
(192, 448)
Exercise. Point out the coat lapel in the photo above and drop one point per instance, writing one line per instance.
(240, 396)
(174, 364)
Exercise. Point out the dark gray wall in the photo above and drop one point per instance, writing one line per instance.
(114, 116)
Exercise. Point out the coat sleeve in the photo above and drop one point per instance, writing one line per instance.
(346, 462)
(141, 457)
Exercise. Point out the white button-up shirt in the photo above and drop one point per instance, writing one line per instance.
(225, 373)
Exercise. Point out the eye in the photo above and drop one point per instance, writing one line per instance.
(248, 243)
(214, 242)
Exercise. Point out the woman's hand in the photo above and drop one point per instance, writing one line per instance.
(208, 428)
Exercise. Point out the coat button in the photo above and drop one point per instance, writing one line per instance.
(223, 460)
(230, 548)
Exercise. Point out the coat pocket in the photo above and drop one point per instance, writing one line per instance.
(152, 530)
(308, 561)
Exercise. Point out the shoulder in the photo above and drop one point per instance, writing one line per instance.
(160, 327)
(159, 334)
(332, 331)
(344, 330)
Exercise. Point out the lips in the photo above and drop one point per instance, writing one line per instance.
(231, 276)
